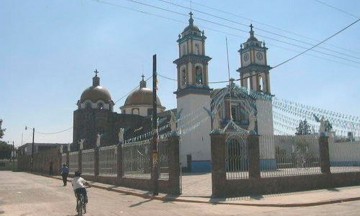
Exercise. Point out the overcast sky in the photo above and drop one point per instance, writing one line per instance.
(49, 50)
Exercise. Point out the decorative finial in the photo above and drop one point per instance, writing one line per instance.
(191, 20)
(142, 82)
(96, 79)
(251, 30)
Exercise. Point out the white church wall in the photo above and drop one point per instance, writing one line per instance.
(195, 126)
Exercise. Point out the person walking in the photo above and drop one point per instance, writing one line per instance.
(64, 173)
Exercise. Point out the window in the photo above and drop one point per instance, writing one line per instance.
(199, 75)
(100, 105)
(88, 105)
(183, 77)
(150, 111)
(135, 111)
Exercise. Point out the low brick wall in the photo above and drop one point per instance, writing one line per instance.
(261, 186)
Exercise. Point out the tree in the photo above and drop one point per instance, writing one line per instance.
(304, 128)
(1, 130)
(5, 150)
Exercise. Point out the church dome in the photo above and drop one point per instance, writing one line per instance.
(95, 93)
(142, 96)
(191, 28)
(96, 96)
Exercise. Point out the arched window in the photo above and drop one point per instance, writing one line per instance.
(183, 77)
(87, 105)
(100, 106)
(199, 75)
(261, 83)
(135, 111)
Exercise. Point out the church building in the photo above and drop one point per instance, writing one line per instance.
(248, 107)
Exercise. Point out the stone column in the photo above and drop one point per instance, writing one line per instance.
(218, 174)
(174, 164)
(324, 154)
(254, 156)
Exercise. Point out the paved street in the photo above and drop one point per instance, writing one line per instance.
(27, 194)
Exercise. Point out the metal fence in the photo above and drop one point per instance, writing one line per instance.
(279, 156)
(236, 156)
(293, 155)
(108, 160)
(73, 161)
(136, 159)
(63, 158)
(88, 161)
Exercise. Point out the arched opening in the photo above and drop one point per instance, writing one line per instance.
(199, 78)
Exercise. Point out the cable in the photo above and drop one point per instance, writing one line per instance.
(134, 89)
(338, 9)
(328, 38)
(54, 132)
(220, 24)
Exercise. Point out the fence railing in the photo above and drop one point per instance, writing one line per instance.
(108, 160)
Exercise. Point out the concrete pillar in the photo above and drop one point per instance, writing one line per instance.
(96, 162)
(218, 174)
(254, 156)
(119, 157)
(80, 160)
(324, 154)
(174, 164)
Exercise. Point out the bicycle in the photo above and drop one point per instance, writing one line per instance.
(80, 204)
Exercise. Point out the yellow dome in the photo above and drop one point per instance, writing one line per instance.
(96, 93)
(143, 96)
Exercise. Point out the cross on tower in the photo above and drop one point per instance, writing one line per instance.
(251, 27)
(96, 72)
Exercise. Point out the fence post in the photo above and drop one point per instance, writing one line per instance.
(96, 162)
(324, 154)
(119, 163)
(174, 164)
(254, 155)
(80, 161)
(218, 154)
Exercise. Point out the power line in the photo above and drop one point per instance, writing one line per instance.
(338, 9)
(231, 27)
(328, 38)
(227, 26)
(55, 132)
(134, 89)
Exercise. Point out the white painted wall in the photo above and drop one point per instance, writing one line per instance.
(194, 141)
(344, 151)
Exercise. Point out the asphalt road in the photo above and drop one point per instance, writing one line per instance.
(23, 194)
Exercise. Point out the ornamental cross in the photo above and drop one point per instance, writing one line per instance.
(96, 72)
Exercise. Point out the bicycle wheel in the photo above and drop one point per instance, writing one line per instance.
(79, 206)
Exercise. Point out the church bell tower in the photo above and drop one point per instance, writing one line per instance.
(254, 70)
(193, 96)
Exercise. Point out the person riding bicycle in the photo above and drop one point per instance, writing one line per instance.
(79, 185)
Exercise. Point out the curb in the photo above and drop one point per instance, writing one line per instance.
(174, 199)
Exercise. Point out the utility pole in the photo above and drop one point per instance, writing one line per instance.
(155, 140)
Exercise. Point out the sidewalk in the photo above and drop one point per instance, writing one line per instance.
(196, 189)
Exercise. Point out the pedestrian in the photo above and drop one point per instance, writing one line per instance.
(64, 173)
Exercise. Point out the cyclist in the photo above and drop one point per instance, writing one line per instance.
(79, 185)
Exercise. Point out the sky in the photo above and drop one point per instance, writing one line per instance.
(49, 51)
